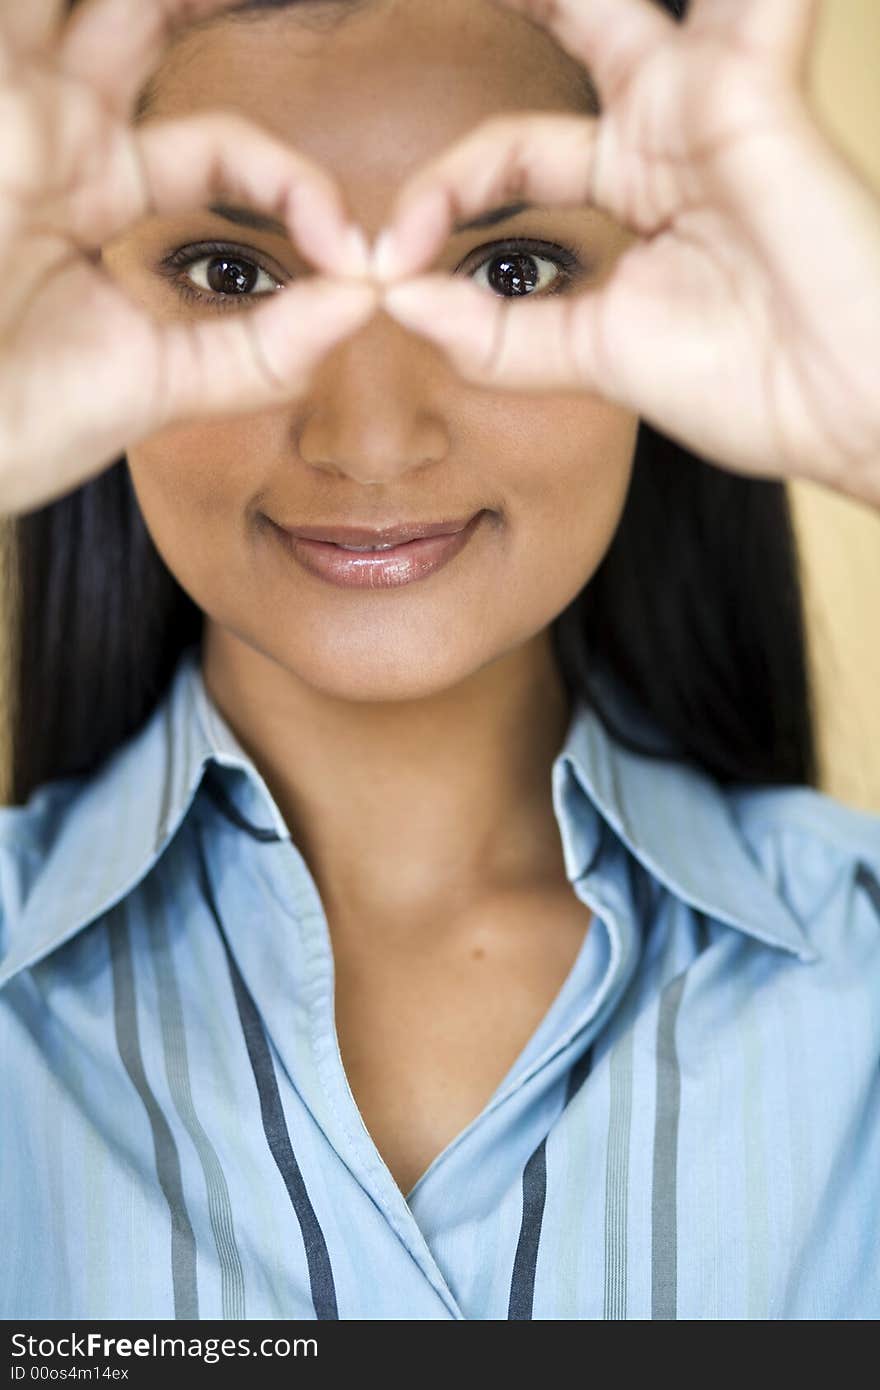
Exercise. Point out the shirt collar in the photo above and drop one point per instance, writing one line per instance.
(672, 816)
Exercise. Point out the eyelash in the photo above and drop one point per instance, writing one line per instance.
(171, 266)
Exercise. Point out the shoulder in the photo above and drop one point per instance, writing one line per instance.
(805, 827)
(820, 855)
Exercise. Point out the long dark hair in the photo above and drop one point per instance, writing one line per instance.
(696, 610)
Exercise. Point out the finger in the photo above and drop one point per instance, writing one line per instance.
(116, 45)
(170, 166)
(537, 158)
(257, 357)
(781, 31)
(550, 343)
(610, 37)
(29, 24)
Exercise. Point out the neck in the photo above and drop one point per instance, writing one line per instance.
(426, 803)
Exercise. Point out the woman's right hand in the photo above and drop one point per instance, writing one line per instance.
(85, 371)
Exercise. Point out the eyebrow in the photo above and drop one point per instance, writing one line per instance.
(261, 222)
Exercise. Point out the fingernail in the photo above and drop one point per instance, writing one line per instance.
(356, 252)
(411, 302)
(349, 299)
(385, 255)
(413, 236)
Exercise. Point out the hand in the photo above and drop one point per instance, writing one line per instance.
(746, 321)
(84, 371)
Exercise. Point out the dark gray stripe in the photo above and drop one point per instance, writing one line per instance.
(578, 1074)
(868, 880)
(177, 1069)
(274, 1124)
(534, 1194)
(275, 1128)
(183, 1245)
(617, 1176)
(534, 1179)
(645, 897)
(664, 1272)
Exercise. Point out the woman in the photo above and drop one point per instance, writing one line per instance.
(455, 931)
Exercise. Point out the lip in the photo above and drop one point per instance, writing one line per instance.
(383, 535)
(404, 563)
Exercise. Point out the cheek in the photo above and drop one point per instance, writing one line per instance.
(567, 484)
(194, 486)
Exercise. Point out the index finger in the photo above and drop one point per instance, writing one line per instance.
(26, 26)
(530, 157)
(545, 156)
(609, 36)
(116, 45)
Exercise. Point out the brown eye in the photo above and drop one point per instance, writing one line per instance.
(230, 275)
(221, 274)
(518, 269)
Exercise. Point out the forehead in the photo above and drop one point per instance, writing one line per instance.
(370, 89)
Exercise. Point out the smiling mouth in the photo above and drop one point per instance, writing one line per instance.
(350, 563)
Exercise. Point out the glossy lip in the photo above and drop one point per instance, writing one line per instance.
(388, 569)
(384, 535)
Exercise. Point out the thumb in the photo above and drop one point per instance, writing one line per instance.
(254, 358)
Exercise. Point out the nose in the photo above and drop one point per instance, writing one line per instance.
(376, 404)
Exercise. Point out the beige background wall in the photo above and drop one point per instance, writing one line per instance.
(840, 539)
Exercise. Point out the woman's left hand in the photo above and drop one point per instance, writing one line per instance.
(745, 323)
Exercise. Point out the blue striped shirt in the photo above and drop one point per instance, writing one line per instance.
(693, 1130)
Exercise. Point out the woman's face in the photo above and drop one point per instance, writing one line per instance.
(386, 432)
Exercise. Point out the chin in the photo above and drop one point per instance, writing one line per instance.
(377, 680)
